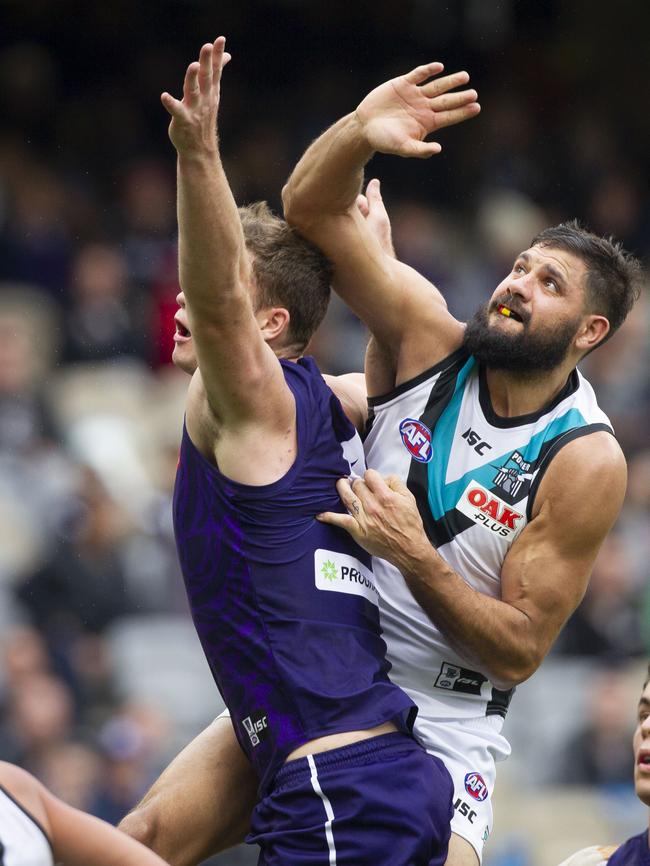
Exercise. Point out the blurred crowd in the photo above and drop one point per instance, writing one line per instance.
(95, 640)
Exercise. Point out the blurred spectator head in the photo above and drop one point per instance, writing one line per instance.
(30, 337)
(41, 711)
(99, 273)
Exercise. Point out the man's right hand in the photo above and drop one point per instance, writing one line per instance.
(397, 116)
(193, 128)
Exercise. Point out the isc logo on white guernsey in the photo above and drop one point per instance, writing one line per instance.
(488, 510)
(338, 572)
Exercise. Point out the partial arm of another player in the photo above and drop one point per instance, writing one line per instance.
(543, 578)
(592, 856)
(77, 839)
(320, 195)
(237, 367)
(202, 802)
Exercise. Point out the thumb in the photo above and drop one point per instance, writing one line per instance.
(425, 149)
(362, 204)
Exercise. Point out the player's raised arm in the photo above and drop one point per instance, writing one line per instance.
(320, 197)
(236, 365)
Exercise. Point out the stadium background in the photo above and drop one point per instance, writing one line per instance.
(101, 678)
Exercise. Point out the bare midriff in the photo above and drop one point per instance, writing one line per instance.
(336, 741)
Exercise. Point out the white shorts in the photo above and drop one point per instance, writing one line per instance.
(469, 749)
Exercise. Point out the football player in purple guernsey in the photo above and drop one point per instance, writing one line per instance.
(284, 605)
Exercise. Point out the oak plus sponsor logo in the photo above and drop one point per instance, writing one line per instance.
(257, 727)
(339, 572)
(416, 437)
(490, 511)
(476, 787)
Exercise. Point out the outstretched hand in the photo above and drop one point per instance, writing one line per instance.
(193, 127)
(383, 517)
(399, 114)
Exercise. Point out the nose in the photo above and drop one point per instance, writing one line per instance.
(521, 285)
(180, 299)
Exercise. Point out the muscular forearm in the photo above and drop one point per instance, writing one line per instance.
(328, 178)
(211, 241)
(486, 631)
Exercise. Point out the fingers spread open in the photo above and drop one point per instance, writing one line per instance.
(191, 83)
(449, 118)
(421, 73)
(448, 101)
(442, 85)
(219, 57)
(205, 69)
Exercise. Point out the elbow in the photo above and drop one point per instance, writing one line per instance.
(295, 211)
(142, 825)
(512, 672)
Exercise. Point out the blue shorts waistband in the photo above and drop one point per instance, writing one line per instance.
(394, 741)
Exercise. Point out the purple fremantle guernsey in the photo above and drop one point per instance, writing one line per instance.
(285, 607)
(634, 852)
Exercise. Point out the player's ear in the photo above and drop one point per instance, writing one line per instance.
(273, 322)
(593, 332)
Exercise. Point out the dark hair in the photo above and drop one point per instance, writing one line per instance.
(288, 270)
(647, 679)
(613, 274)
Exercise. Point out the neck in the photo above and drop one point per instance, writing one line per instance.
(512, 395)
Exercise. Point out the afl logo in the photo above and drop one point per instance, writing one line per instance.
(475, 786)
(416, 436)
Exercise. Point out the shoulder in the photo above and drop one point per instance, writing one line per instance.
(585, 480)
(350, 389)
(25, 789)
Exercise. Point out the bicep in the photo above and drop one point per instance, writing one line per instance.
(240, 374)
(547, 569)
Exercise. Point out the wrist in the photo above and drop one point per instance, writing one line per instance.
(357, 130)
(198, 156)
(422, 563)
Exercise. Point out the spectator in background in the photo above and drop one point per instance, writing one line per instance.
(599, 752)
(105, 319)
(607, 624)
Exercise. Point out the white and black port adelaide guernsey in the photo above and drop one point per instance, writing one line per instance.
(23, 842)
(474, 476)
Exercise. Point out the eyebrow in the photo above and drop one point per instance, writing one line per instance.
(553, 271)
(644, 703)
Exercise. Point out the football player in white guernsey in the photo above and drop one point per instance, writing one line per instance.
(477, 428)
(38, 829)
(483, 423)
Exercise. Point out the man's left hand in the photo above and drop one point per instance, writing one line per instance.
(383, 518)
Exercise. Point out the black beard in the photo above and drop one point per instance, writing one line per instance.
(520, 352)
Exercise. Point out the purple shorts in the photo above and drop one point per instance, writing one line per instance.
(383, 801)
